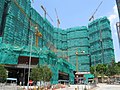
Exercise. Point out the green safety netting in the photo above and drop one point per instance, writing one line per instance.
(20, 24)
(54, 79)
(7, 55)
(102, 42)
(88, 76)
(1, 10)
(0, 39)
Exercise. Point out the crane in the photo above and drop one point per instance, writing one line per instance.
(38, 34)
(92, 17)
(45, 13)
(58, 21)
(77, 54)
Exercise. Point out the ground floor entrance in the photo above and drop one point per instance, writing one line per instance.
(21, 74)
(63, 78)
(20, 71)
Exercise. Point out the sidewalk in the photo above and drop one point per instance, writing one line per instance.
(78, 87)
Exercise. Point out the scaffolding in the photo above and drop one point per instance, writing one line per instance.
(101, 43)
(52, 46)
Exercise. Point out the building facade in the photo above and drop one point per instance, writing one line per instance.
(101, 43)
(24, 33)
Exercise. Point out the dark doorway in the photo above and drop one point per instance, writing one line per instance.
(20, 71)
(21, 74)
(63, 77)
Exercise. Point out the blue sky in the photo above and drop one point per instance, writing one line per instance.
(77, 13)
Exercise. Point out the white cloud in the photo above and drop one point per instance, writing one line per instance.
(114, 15)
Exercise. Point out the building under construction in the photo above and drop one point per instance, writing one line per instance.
(118, 23)
(25, 35)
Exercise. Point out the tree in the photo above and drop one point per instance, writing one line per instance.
(112, 69)
(109, 70)
(36, 74)
(92, 69)
(118, 68)
(47, 74)
(3, 74)
(101, 69)
(42, 73)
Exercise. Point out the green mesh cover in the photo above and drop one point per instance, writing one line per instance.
(101, 45)
(56, 46)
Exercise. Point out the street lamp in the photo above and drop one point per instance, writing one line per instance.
(24, 73)
(95, 70)
(29, 61)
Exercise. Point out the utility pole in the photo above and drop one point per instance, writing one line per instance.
(30, 60)
(95, 70)
(118, 31)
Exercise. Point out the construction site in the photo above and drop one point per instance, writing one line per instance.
(28, 40)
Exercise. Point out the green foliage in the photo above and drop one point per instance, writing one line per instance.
(112, 69)
(42, 73)
(101, 69)
(3, 74)
(109, 70)
(36, 74)
(47, 74)
(117, 68)
(118, 63)
(92, 69)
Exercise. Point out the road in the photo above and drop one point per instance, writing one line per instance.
(107, 87)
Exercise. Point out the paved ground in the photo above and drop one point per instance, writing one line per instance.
(73, 87)
(107, 87)
(76, 87)
(99, 87)
(9, 88)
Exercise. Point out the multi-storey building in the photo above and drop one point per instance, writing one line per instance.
(101, 43)
(24, 34)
